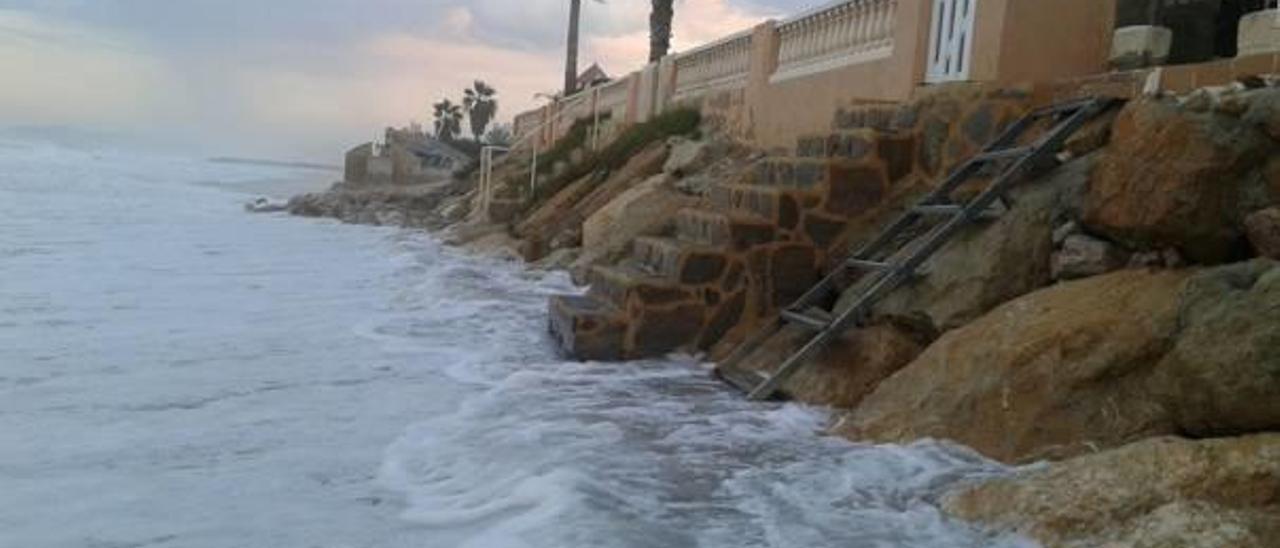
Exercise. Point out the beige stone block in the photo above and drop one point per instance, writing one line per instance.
(1140, 46)
(1260, 32)
(636, 212)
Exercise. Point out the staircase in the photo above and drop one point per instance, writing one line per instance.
(755, 244)
(901, 249)
(687, 287)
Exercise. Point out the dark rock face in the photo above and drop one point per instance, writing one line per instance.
(793, 269)
(419, 206)
(1094, 364)
(702, 268)
(661, 331)
(1264, 232)
(855, 189)
(725, 319)
(1162, 492)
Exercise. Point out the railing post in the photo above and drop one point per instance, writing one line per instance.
(533, 171)
(595, 123)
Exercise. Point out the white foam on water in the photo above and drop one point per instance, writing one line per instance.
(176, 373)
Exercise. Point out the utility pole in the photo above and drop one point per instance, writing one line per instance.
(571, 56)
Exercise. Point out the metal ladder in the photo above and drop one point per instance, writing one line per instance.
(1013, 163)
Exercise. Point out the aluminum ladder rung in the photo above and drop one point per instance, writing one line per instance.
(807, 319)
(1063, 107)
(863, 264)
(991, 201)
(1004, 154)
(939, 210)
(951, 210)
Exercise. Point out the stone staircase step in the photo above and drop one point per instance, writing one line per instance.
(766, 203)
(617, 284)
(853, 144)
(792, 173)
(682, 262)
(880, 117)
(587, 328)
(723, 229)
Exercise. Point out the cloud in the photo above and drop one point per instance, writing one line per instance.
(308, 77)
(51, 68)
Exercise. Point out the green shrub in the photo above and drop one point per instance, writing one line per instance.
(616, 154)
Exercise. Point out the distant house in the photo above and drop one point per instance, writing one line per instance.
(406, 156)
(594, 75)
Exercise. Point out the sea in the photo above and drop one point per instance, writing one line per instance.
(177, 372)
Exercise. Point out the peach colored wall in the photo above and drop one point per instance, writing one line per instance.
(1015, 42)
(1051, 39)
(782, 111)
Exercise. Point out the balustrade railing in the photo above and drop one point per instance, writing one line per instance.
(614, 95)
(846, 32)
(719, 65)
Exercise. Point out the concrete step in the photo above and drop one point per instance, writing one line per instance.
(765, 203)
(738, 231)
(792, 173)
(587, 328)
(618, 284)
(681, 262)
(889, 118)
(853, 144)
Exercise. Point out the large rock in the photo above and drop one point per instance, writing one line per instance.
(641, 210)
(1264, 111)
(1173, 178)
(1223, 374)
(1082, 256)
(845, 371)
(1169, 179)
(687, 156)
(991, 263)
(1165, 492)
(1263, 228)
(1095, 363)
(569, 208)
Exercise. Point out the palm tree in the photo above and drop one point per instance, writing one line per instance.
(660, 28)
(481, 104)
(448, 120)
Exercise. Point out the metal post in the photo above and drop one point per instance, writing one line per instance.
(533, 171)
(486, 173)
(595, 124)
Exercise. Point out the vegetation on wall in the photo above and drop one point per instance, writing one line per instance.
(616, 154)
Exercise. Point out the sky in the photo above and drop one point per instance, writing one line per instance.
(308, 79)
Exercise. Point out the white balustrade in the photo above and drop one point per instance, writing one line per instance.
(614, 95)
(838, 34)
(724, 64)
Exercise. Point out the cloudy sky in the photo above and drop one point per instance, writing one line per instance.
(307, 78)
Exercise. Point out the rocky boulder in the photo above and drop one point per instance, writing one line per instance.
(1164, 492)
(687, 156)
(643, 209)
(1173, 177)
(1082, 256)
(844, 372)
(1095, 363)
(1263, 228)
(1222, 376)
(992, 263)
